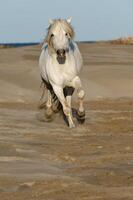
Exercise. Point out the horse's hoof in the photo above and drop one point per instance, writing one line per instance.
(55, 109)
(81, 116)
(47, 118)
(48, 115)
(71, 125)
(42, 117)
(48, 112)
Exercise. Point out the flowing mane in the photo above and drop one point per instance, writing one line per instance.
(66, 26)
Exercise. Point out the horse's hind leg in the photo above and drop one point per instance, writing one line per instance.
(80, 93)
(49, 111)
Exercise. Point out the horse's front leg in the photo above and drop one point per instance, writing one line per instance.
(66, 107)
(68, 92)
(80, 93)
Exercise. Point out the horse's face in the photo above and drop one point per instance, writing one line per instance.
(59, 38)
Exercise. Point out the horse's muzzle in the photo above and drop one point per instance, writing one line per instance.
(61, 52)
(61, 56)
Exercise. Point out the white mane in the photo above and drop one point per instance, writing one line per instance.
(57, 23)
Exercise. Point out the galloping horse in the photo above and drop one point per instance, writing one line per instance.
(60, 63)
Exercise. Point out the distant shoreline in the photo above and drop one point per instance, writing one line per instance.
(124, 41)
(21, 44)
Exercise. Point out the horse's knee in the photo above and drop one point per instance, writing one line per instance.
(81, 94)
(76, 82)
(66, 109)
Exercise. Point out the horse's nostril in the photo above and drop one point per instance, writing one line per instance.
(61, 52)
(58, 52)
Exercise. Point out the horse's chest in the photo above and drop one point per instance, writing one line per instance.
(62, 73)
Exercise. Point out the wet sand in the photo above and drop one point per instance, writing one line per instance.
(40, 160)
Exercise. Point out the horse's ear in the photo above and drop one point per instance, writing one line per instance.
(51, 21)
(69, 20)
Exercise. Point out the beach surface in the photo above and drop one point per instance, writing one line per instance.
(47, 160)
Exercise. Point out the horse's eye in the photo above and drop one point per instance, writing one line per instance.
(52, 35)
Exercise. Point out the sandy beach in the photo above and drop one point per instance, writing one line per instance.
(48, 161)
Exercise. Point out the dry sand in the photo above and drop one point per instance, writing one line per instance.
(48, 161)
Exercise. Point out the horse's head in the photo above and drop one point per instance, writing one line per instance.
(60, 33)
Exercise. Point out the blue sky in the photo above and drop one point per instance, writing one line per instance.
(27, 20)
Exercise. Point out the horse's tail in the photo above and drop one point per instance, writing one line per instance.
(56, 105)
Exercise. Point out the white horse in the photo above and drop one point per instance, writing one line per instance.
(60, 63)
